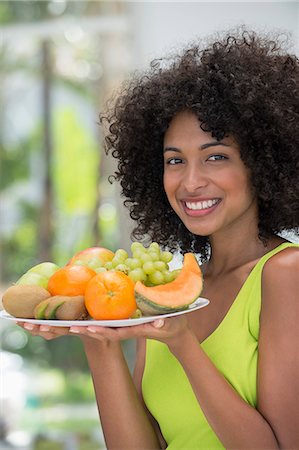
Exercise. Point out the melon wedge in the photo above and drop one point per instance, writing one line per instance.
(174, 296)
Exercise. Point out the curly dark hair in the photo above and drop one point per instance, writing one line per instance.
(244, 85)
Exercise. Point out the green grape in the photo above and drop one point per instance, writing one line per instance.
(155, 247)
(156, 277)
(137, 253)
(121, 254)
(154, 256)
(148, 267)
(108, 265)
(137, 314)
(137, 274)
(135, 246)
(122, 268)
(116, 261)
(145, 257)
(100, 269)
(148, 283)
(160, 265)
(168, 276)
(166, 256)
(94, 263)
(133, 263)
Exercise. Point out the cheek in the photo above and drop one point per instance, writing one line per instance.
(169, 188)
(166, 183)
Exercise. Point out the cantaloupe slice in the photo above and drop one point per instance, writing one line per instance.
(174, 296)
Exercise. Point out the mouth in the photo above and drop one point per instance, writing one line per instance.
(200, 208)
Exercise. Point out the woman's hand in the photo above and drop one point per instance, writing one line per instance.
(44, 331)
(169, 331)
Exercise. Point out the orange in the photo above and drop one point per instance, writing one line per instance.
(70, 280)
(102, 253)
(110, 296)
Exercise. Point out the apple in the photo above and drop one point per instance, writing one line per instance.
(101, 253)
(33, 279)
(46, 269)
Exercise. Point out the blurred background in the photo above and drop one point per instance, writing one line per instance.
(60, 62)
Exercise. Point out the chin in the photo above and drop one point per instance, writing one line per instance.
(199, 231)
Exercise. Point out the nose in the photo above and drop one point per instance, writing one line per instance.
(194, 178)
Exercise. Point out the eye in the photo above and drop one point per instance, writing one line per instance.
(173, 161)
(217, 157)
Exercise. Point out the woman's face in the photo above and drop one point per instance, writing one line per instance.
(206, 182)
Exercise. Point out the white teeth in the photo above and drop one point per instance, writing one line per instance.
(201, 205)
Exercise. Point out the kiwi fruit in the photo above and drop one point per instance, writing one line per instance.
(66, 308)
(52, 307)
(40, 309)
(21, 300)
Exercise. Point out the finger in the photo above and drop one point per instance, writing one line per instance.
(30, 327)
(103, 333)
(94, 332)
(57, 331)
(159, 323)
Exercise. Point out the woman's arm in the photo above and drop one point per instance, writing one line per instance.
(275, 423)
(278, 374)
(124, 420)
(137, 378)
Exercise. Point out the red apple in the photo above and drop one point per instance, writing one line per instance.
(102, 253)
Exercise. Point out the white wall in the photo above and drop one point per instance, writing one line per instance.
(158, 27)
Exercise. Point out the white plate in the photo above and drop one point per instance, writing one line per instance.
(197, 304)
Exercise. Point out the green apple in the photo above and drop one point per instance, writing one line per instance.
(45, 269)
(33, 279)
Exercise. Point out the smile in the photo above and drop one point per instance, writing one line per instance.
(200, 208)
(195, 206)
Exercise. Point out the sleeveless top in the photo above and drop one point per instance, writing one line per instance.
(232, 347)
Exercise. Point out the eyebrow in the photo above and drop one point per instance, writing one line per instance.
(202, 147)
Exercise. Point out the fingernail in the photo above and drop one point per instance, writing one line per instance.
(92, 330)
(74, 330)
(158, 323)
(28, 326)
(44, 328)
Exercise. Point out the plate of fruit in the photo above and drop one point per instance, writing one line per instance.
(101, 287)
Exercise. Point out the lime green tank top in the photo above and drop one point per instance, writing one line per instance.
(232, 347)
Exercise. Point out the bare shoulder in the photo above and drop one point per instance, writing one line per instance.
(281, 271)
(280, 296)
(287, 259)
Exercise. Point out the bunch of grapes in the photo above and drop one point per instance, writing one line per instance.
(146, 264)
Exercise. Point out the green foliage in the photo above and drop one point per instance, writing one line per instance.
(76, 162)
(22, 242)
(22, 11)
(16, 157)
(18, 11)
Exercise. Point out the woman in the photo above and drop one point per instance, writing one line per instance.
(207, 149)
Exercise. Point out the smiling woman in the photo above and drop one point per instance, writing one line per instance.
(213, 138)
(204, 179)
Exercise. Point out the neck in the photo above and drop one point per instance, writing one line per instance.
(228, 253)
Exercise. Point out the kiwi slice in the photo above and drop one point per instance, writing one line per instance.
(53, 305)
(66, 308)
(40, 309)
